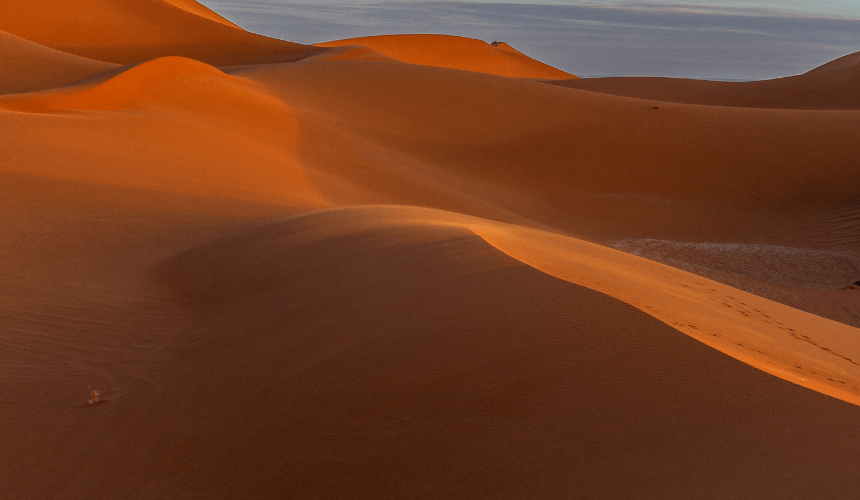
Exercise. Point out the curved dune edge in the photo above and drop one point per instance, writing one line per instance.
(455, 52)
(164, 81)
(351, 53)
(796, 346)
(176, 82)
(29, 67)
(791, 344)
(201, 10)
(847, 62)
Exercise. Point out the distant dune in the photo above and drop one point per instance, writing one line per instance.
(415, 266)
(456, 52)
(832, 86)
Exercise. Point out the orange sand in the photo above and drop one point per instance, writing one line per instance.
(385, 270)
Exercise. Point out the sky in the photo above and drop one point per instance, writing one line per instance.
(728, 40)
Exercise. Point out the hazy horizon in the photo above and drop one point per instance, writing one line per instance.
(739, 40)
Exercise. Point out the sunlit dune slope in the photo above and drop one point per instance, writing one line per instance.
(802, 348)
(456, 53)
(833, 86)
(171, 124)
(28, 66)
(128, 31)
(169, 82)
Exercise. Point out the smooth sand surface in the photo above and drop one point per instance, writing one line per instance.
(363, 275)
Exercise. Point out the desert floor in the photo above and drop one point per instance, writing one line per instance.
(415, 266)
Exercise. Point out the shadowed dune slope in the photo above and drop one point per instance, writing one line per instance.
(427, 364)
(557, 145)
(128, 31)
(28, 66)
(600, 167)
(456, 52)
(835, 85)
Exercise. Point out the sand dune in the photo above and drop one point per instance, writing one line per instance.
(456, 52)
(386, 356)
(844, 65)
(171, 124)
(832, 86)
(449, 369)
(566, 147)
(29, 67)
(129, 31)
(170, 82)
(200, 10)
(372, 274)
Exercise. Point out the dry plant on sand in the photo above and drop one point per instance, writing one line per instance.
(95, 396)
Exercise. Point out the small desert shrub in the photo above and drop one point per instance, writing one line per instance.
(95, 396)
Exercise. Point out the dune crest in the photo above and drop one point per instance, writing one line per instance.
(167, 81)
(802, 348)
(455, 52)
(351, 53)
(201, 10)
(846, 64)
(799, 347)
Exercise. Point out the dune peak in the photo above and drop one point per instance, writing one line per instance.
(456, 52)
(848, 62)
